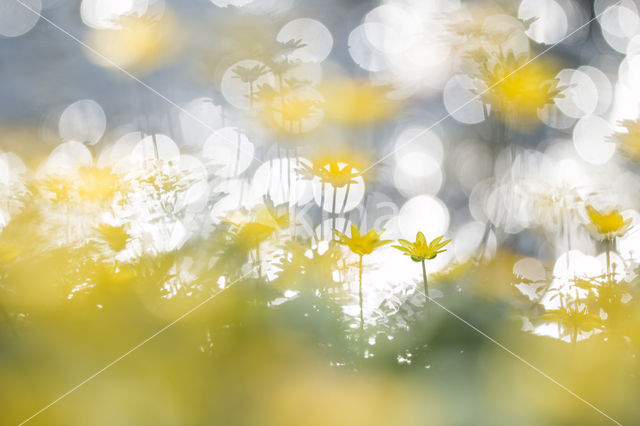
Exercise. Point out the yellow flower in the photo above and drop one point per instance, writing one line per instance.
(516, 88)
(294, 109)
(361, 244)
(291, 112)
(337, 174)
(59, 187)
(338, 167)
(97, 184)
(574, 319)
(115, 236)
(608, 225)
(138, 42)
(354, 102)
(251, 233)
(420, 250)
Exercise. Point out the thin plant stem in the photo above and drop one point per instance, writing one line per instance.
(258, 261)
(289, 176)
(344, 202)
(574, 337)
(426, 286)
(333, 213)
(237, 166)
(280, 89)
(608, 252)
(294, 213)
(322, 210)
(360, 295)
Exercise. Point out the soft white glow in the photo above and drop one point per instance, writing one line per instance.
(234, 3)
(474, 240)
(417, 173)
(551, 20)
(507, 26)
(553, 117)
(418, 138)
(82, 121)
(103, 14)
(66, 158)
(199, 118)
(117, 154)
(16, 20)
(580, 97)
(533, 274)
(392, 28)
(619, 22)
(459, 100)
(423, 213)
(237, 195)
(279, 179)
(591, 139)
(362, 51)
(155, 148)
(228, 152)
(316, 37)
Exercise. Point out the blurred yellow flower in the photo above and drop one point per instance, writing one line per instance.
(361, 244)
(292, 110)
(138, 42)
(607, 225)
(516, 88)
(337, 174)
(97, 184)
(573, 318)
(420, 250)
(115, 236)
(356, 102)
(251, 232)
(59, 187)
(337, 167)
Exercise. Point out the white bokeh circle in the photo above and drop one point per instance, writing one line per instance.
(82, 121)
(316, 37)
(424, 213)
(228, 151)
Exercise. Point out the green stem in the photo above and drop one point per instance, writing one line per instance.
(333, 213)
(360, 295)
(295, 201)
(426, 286)
(322, 211)
(258, 261)
(344, 202)
(608, 251)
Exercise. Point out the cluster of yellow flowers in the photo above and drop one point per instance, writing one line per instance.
(419, 251)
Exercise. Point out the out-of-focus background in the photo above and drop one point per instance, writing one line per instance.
(300, 212)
